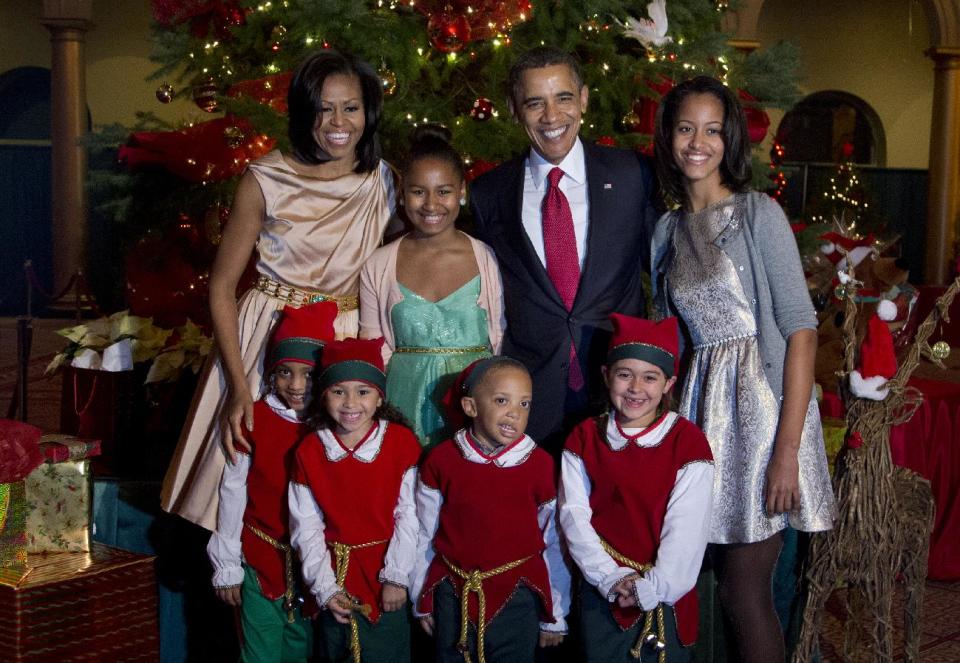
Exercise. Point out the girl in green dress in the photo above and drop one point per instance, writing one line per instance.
(435, 293)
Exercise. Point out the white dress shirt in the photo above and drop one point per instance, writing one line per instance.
(573, 184)
(430, 502)
(223, 548)
(683, 537)
(307, 523)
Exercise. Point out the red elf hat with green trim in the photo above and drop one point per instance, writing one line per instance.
(657, 343)
(301, 334)
(353, 359)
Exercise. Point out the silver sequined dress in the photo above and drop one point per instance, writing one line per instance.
(726, 391)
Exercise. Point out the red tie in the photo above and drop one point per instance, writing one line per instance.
(560, 251)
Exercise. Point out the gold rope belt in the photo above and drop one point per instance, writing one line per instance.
(302, 296)
(444, 351)
(290, 595)
(473, 582)
(341, 552)
(652, 618)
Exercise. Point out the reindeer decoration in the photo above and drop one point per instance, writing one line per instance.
(885, 513)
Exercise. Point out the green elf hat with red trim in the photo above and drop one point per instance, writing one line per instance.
(353, 359)
(301, 334)
(657, 343)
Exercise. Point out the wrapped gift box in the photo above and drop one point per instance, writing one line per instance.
(96, 606)
(19, 455)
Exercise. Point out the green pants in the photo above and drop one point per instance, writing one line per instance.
(510, 637)
(267, 636)
(605, 642)
(387, 641)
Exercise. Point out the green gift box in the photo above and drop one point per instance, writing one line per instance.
(58, 497)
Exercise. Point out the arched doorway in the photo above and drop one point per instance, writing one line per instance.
(831, 127)
(25, 187)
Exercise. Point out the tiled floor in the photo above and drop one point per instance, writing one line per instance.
(940, 640)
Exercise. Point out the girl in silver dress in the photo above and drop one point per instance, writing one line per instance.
(727, 265)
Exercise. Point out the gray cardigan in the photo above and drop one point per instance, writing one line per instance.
(764, 253)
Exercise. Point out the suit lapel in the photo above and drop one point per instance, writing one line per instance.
(516, 237)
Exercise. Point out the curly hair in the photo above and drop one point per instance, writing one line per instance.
(317, 417)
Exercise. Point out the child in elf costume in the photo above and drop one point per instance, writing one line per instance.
(635, 497)
(254, 566)
(490, 579)
(352, 511)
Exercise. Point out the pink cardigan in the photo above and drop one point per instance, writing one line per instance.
(379, 294)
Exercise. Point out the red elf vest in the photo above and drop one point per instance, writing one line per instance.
(488, 518)
(357, 499)
(629, 492)
(272, 441)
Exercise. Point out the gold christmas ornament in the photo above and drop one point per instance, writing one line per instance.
(165, 93)
(630, 120)
(388, 80)
(234, 137)
(940, 350)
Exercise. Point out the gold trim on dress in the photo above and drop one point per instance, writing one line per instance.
(444, 351)
(303, 296)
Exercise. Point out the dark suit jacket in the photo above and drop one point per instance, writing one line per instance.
(620, 186)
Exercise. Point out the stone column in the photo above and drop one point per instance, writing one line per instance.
(68, 22)
(943, 193)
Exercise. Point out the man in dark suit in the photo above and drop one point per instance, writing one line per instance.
(572, 244)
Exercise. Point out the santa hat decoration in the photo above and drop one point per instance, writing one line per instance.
(353, 359)
(878, 361)
(657, 343)
(857, 249)
(301, 333)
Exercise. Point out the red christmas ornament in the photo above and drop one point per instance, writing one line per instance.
(205, 95)
(204, 15)
(448, 32)
(608, 141)
(757, 119)
(482, 109)
(485, 18)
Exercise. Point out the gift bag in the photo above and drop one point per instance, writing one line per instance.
(100, 405)
(59, 507)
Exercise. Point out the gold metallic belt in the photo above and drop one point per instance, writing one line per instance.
(652, 618)
(341, 552)
(302, 296)
(473, 582)
(290, 599)
(445, 351)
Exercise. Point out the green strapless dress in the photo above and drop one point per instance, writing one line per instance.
(434, 342)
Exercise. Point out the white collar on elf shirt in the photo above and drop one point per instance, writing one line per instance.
(278, 406)
(650, 436)
(511, 455)
(365, 452)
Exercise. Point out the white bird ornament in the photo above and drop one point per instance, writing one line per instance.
(651, 31)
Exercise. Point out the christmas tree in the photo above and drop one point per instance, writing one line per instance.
(440, 61)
